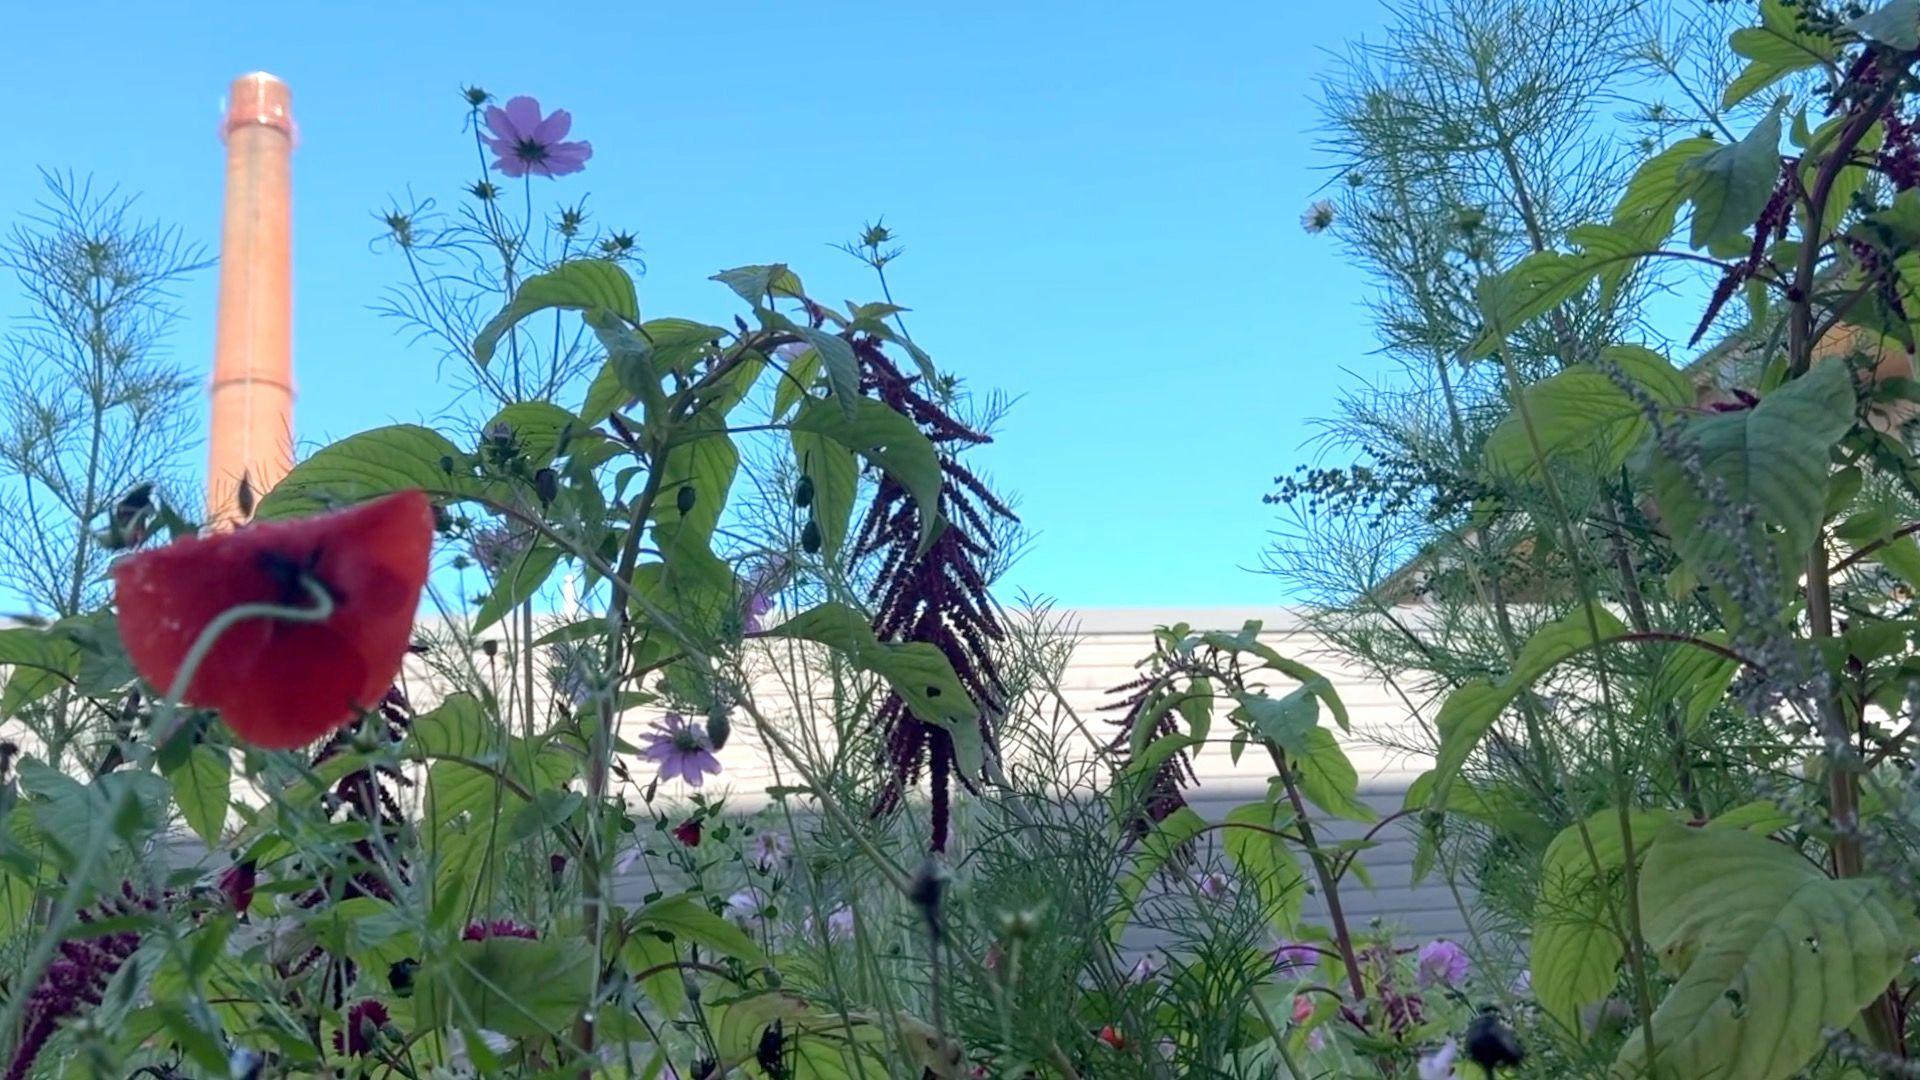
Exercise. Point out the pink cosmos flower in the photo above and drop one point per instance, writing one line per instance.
(746, 905)
(1149, 965)
(681, 748)
(523, 142)
(1439, 1064)
(1214, 885)
(770, 851)
(1296, 956)
(1442, 961)
(765, 579)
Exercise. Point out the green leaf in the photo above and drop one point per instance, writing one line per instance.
(1247, 642)
(1329, 779)
(795, 382)
(755, 284)
(1167, 836)
(517, 583)
(539, 429)
(1772, 458)
(1730, 185)
(1576, 950)
(41, 661)
(1471, 710)
(1657, 190)
(835, 475)
(1583, 411)
(1896, 25)
(1776, 48)
(919, 672)
(686, 917)
(1546, 279)
(1900, 555)
(1769, 951)
(842, 367)
(1284, 722)
(202, 785)
(891, 442)
(457, 728)
(579, 285)
(1692, 680)
(516, 986)
(1266, 862)
(360, 467)
(706, 462)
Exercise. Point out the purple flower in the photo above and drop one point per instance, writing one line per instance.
(770, 851)
(1214, 885)
(522, 142)
(1145, 968)
(761, 584)
(1442, 961)
(681, 748)
(362, 1028)
(481, 931)
(839, 924)
(1296, 956)
(746, 905)
(1439, 1064)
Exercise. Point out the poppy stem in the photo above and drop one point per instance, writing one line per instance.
(167, 723)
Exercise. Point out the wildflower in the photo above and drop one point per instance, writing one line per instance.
(236, 884)
(1150, 964)
(761, 584)
(628, 859)
(746, 905)
(1442, 961)
(281, 683)
(481, 930)
(1112, 1037)
(1294, 955)
(356, 1037)
(76, 977)
(522, 142)
(1318, 217)
(840, 924)
(681, 748)
(770, 851)
(1214, 885)
(1439, 1064)
(1303, 1012)
(688, 832)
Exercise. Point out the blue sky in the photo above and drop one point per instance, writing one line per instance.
(1100, 204)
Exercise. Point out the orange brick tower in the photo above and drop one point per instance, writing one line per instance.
(250, 435)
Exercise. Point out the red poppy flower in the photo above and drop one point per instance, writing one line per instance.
(1112, 1037)
(688, 832)
(279, 683)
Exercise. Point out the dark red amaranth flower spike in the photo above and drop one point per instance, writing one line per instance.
(1164, 792)
(281, 683)
(78, 975)
(938, 595)
(498, 928)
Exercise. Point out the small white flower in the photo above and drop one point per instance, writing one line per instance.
(1318, 217)
(1150, 964)
(1439, 1064)
(746, 905)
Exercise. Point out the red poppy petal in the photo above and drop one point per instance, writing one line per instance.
(281, 680)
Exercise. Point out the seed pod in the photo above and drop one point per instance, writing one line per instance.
(810, 537)
(1491, 1044)
(685, 499)
(719, 727)
(546, 484)
(803, 492)
(400, 976)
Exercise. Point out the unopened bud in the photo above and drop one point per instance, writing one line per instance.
(546, 484)
(803, 492)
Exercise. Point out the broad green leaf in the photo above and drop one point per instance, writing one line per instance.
(888, 440)
(1770, 954)
(1778, 47)
(756, 284)
(540, 429)
(842, 367)
(919, 672)
(1329, 779)
(1544, 280)
(1576, 949)
(202, 784)
(377, 462)
(517, 582)
(795, 383)
(1657, 191)
(831, 468)
(668, 986)
(1583, 411)
(705, 464)
(1772, 458)
(40, 662)
(1471, 710)
(1895, 25)
(579, 285)
(1167, 836)
(1900, 555)
(1247, 642)
(1729, 185)
(1285, 721)
(1266, 862)
(1760, 816)
(516, 986)
(459, 727)
(1692, 680)
(686, 917)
